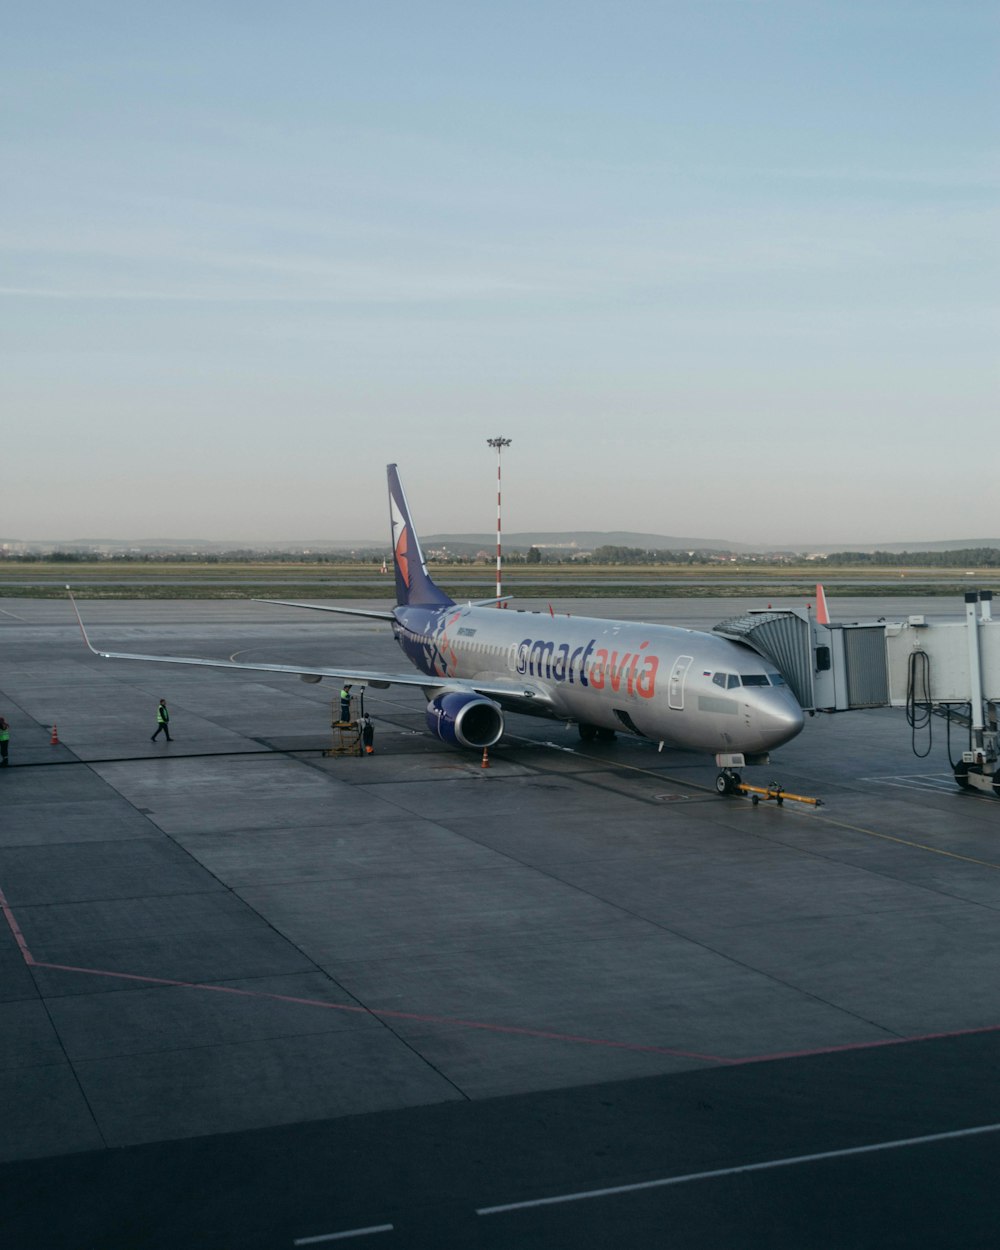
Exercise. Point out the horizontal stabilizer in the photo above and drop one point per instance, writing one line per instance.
(323, 607)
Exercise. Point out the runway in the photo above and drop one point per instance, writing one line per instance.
(255, 997)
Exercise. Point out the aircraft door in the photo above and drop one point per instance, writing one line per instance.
(675, 688)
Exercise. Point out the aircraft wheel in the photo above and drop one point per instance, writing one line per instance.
(587, 732)
(755, 799)
(962, 775)
(605, 735)
(723, 784)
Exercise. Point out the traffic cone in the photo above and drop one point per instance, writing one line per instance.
(486, 759)
(54, 740)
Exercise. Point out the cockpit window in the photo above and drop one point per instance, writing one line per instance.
(777, 679)
(719, 679)
(754, 679)
(733, 681)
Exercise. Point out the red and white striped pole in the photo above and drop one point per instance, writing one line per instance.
(499, 444)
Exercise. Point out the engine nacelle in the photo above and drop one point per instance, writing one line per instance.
(465, 720)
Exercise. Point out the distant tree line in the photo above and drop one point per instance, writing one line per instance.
(966, 557)
(241, 556)
(612, 554)
(971, 557)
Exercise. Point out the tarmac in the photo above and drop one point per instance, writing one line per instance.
(255, 996)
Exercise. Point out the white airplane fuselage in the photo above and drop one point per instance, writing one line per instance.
(678, 686)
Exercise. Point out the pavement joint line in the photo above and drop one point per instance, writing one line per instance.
(742, 1169)
(159, 759)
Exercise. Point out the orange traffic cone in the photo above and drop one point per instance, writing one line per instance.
(54, 740)
(486, 759)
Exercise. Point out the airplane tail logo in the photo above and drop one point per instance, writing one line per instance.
(413, 582)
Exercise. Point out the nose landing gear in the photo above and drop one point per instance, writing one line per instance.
(728, 781)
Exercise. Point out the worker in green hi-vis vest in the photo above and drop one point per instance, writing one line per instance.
(162, 721)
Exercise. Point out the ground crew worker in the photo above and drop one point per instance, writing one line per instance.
(162, 721)
(368, 734)
(4, 742)
(345, 705)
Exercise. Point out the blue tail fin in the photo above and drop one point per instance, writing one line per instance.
(413, 583)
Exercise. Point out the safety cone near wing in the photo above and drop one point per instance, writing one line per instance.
(486, 759)
(822, 611)
(54, 740)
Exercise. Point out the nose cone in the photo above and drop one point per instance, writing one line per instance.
(779, 718)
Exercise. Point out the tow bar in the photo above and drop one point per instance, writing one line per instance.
(774, 791)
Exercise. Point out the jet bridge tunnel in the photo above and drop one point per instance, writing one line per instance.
(949, 668)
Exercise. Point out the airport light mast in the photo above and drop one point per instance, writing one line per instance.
(499, 444)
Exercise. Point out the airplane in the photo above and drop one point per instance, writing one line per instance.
(680, 688)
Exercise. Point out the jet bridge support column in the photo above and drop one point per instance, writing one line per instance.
(978, 767)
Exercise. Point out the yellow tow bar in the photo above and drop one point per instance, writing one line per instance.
(774, 791)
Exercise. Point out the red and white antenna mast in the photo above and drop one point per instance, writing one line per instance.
(499, 444)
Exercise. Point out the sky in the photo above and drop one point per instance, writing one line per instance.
(718, 268)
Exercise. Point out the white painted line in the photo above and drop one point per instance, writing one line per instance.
(350, 1232)
(746, 1167)
(926, 782)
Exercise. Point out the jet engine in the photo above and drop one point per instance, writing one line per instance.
(465, 720)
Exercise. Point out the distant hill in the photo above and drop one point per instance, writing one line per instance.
(581, 540)
(956, 544)
(587, 540)
(554, 541)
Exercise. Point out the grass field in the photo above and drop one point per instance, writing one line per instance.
(102, 579)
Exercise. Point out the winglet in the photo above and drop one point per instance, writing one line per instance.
(79, 621)
(822, 611)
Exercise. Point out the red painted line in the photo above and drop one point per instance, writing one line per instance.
(388, 1014)
(12, 924)
(484, 1026)
(881, 1041)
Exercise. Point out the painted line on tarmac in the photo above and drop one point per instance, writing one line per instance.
(15, 929)
(350, 1232)
(812, 814)
(510, 1029)
(389, 1014)
(813, 1052)
(918, 846)
(935, 782)
(768, 1165)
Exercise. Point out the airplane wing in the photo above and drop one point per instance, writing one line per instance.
(372, 612)
(511, 692)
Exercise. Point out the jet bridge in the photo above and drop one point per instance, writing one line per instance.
(946, 668)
